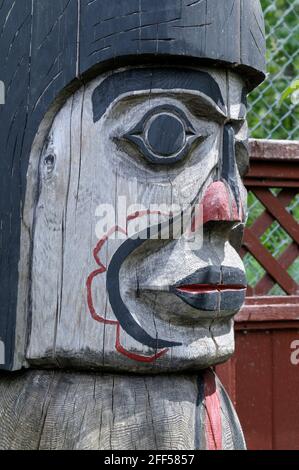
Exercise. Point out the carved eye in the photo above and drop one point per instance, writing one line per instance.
(163, 136)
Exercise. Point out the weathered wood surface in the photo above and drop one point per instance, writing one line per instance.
(48, 410)
(125, 31)
(82, 161)
(284, 150)
(265, 309)
(67, 149)
(48, 47)
(38, 44)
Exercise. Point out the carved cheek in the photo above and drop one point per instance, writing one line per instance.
(87, 168)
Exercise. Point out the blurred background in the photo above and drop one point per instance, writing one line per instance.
(270, 116)
(262, 378)
(274, 114)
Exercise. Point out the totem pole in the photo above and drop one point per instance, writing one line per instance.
(123, 144)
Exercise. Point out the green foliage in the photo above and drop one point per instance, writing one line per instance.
(271, 117)
(290, 91)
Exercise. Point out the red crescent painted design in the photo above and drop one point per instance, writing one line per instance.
(102, 269)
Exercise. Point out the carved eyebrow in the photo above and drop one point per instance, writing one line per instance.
(153, 78)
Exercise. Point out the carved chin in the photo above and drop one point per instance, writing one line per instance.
(202, 333)
(179, 301)
(215, 345)
(206, 337)
(209, 344)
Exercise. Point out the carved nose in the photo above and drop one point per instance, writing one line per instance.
(219, 204)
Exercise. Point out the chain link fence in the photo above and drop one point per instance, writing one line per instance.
(269, 118)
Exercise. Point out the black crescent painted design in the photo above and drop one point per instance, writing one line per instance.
(121, 312)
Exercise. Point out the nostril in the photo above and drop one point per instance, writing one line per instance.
(219, 204)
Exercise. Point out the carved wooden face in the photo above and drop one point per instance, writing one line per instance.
(121, 149)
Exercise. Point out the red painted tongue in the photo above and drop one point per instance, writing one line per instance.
(206, 288)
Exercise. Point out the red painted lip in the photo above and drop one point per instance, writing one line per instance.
(196, 289)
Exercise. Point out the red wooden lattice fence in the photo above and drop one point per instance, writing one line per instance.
(261, 378)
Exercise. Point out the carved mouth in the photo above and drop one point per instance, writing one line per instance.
(225, 292)
(205, 288)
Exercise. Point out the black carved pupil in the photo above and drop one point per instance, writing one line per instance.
(166, 135)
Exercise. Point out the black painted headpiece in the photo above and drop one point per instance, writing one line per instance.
(226, 33)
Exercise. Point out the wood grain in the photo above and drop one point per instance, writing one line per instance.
(92, 166)
(274, 149)
(38, 43)
(48, 410)
(49, 48)
(177, 30)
